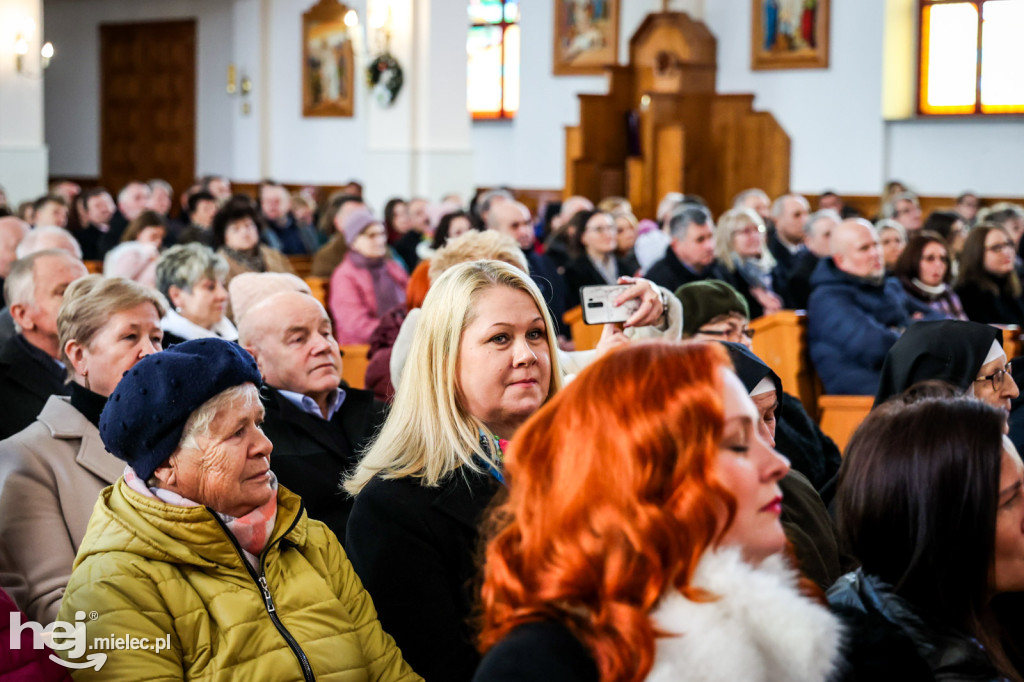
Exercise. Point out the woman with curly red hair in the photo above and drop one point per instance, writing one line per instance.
(640, 539)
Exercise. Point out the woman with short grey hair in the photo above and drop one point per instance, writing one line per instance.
(191, 276)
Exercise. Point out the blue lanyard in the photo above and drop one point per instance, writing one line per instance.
(486, 443)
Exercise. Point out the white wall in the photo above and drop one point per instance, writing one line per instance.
(72, 81)
(23, 171)
(833, 116)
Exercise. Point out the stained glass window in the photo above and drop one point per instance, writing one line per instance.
(969, 57)
(493, 47)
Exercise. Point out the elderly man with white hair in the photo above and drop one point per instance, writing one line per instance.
(855, 313)
(317, 428)
(39, 239)
(29, 368)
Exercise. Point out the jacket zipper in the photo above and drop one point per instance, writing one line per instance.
(268, 600)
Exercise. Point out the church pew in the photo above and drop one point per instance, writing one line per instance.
(94, 267)
(318, 287)
(1012, 343)
(780, 340)
(840, 415)
(584, 336)
(303, 265)
(354, 362)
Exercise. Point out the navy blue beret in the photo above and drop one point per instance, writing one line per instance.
(145, 416)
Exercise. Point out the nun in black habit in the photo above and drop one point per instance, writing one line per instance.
(967, 355)
(805, 519)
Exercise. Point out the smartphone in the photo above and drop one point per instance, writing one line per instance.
(599, 304)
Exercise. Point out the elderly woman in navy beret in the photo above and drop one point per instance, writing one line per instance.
(199, 555)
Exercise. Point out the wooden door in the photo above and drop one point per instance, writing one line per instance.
(148, 103)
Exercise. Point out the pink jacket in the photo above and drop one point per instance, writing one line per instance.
(353, 302)
(25, 664)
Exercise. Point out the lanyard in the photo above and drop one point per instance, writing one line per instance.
(495, 447)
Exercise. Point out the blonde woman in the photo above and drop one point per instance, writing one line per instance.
(484, 358)
(742, 250)
(51, 473)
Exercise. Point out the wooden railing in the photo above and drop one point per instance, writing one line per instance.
(584, 336)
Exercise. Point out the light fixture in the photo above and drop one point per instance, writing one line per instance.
(351, 18)
(20, 50)
(46, 54)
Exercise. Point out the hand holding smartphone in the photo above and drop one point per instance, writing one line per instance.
(599, 307)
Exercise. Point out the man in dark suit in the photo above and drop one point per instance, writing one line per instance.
(818, 233)
(513, 219)
(691, 254)
(29, 368)
(789, 212)
(317, 429)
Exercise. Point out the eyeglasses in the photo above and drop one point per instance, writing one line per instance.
(746, 331)
(602, 229)
(998, 377)
(996, 248)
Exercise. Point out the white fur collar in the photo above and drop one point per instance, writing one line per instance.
(761, 629)
(187, 329)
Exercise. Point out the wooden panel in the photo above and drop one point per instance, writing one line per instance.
(319, 287)
(1012, 344)
(354, 362)
(670, 143)
(780, 340)
(870, 206)
(147, 102)
(584, 336)
(573, 151)
(841, 415)
(302, 265)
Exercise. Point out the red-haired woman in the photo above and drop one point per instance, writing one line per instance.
(641, 539)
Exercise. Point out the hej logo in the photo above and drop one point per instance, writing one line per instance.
(59, 636)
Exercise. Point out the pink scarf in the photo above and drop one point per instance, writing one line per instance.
(252, 531)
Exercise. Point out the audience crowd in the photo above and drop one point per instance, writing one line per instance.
(182, 462)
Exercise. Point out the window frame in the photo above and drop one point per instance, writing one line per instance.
(919, 98)
(504, 24)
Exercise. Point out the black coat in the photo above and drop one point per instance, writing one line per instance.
(544, 274)
(580, 272)
(542, 651)
(887, 639)
(785, 258)
(798, 281)
(670, 272)
(414, 548)
(984, 306)
(27, 380)
(311, 456)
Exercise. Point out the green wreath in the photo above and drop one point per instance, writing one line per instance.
(384, 75)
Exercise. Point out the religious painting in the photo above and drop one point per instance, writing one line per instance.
(328, 61)
(789, 34)
(586, 36)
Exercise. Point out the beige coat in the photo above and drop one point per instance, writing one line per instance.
(51, 475)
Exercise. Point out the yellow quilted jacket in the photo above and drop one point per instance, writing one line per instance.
(151, 570)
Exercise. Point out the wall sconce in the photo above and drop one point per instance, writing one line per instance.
(20, 50)
(46, 54)
(22, 40)
(243, 87)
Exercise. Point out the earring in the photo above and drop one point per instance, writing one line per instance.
(177, 309)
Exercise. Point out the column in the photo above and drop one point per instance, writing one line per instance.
(420, 146)
(23, 154)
